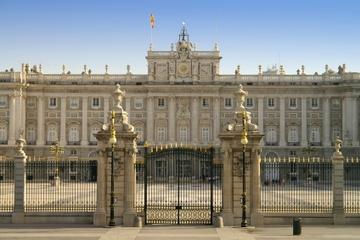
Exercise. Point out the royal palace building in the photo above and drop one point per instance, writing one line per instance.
(182, 99)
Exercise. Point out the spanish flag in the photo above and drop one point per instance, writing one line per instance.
(152, 21)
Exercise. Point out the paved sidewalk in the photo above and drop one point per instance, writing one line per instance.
(84, 232)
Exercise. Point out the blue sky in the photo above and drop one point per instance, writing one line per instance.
(249, 33)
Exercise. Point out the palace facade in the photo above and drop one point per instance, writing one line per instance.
(182, 99)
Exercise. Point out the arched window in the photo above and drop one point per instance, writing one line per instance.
(93, 130)
(31, 137)
(52, 135)
(3, 134)
(73, 134)
(293, 136)
(271, 136)
(315, 135)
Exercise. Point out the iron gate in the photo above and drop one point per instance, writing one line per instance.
(178, 186)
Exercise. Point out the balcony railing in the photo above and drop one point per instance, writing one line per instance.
(73, 142)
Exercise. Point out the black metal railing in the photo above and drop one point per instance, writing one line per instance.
(296, 185)
(60, 186)
(352, 185)
(6, 185)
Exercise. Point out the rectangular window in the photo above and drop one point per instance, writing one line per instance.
(138, 103)
(161, 134)
(249, 102)
(228, 103)
(161, 102)
(205, 102)
(205, 135)
(183, 136)
(271, 102)
(3, 101)
(314, 103)
(52, 102)
(74, 103)
(292, 103)
(95, 103)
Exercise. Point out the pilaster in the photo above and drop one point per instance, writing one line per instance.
(282, 141)
(12, 121)
(326, 122)
(63, 121)
(216, 123)
(106, 109)
(304, 141)
(171, 119)
(194, 120)
(40, 139)
(150, 119)
(84, 124)
(100, 213)
(355, 122)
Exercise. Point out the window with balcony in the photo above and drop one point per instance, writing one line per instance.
(3, 134)
(161, 134)
(293, 136)
(205, 135)
(315, 136)
(74, 135)
(271, 136)
(30, 135)
(183, 134)
(52, 135)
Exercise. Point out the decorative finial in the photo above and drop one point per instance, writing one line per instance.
(63, 69)
(118, 96)
(282, 70)
(344, 68)
(216, 47)
(172, 47)
(128, 69)
(85, 67)
(302, 70)
(260, 70)
(150, 47)
(40, 68)
(326, 68)
(238, 69)
(106, 69)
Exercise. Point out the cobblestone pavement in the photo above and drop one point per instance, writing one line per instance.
(69, 232)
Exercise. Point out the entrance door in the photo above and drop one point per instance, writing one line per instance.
(181, 186)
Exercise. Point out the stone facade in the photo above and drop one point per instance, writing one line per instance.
(182, 98)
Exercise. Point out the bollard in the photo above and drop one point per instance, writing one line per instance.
(296, 226)
(219, 223)
(138, 222)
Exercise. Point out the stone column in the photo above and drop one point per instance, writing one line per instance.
(227, 184)
(18, 215)
(172, 121)
(256, 217)
(84, 124)
(12, 121)
(130, 185)
(40, 138)
(261, 114)
(282, 141)
(304, 140)
(195, 120)
(355, 122)
(216, 124)
(150, 120)
(106, 109)
(338, 188)
(100, 213)
(63, 122)
(326, 122)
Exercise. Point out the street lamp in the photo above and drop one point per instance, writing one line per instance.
(244, 141)
(112, 141)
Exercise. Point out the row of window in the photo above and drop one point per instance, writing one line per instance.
(74, 103)
(271, 133)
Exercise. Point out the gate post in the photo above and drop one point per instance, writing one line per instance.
(338, 184)
(18, 215)
(124, 167)
(232, 151)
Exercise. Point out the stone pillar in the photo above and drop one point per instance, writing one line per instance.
(18, 216)
(40, 138)
(282, 141)
(84, 124)
(100, 213)
(124, 169)
(256, 217)
(355, 122)
(227, 183)
(106, 109)
(304, 140)
(326, 122)
(12, 121)
(150, 120)
(171, 117)
(195, 120)
(63, 122)
(216, 124)
(338, 187)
